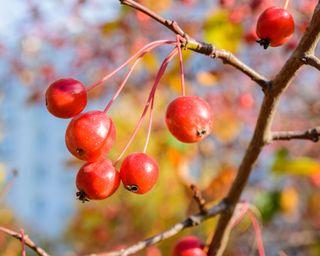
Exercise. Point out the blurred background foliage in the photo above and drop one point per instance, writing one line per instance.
(46, 40)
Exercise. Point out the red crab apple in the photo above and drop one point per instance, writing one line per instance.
(66, 98)
(97, 180)
(189, 118)
(90, 135)
(275, 26)
(189, 246)
(139, 173)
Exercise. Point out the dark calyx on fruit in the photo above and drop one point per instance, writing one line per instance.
(82, 196)
(133, 188)
(265, 42)
(202, 132)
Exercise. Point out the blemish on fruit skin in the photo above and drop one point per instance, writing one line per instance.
(80, 151)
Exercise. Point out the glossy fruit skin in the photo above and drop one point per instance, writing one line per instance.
(275, 26)
(139, 173)
(66, 98)
(97, 180)
(189, 246)
(90, 136)
(189, 118)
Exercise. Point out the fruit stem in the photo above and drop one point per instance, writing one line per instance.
(286, 4)
(149, 101)
(149, 126)
(123, 83)
(257, 230)
(142, 51)
(181, 66)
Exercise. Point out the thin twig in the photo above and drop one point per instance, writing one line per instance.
(311, 60)
(191, 221)
(27, 241)
(197, 196)
(311, 134)
(204, 48)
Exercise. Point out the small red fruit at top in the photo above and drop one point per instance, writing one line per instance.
(97, 180)
(139, 173)
(274, 27)
(90, 135)
(189, 246)
(66, 98)
(189, 118)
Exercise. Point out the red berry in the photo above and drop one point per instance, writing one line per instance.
(189, 118)
(139, 173)
(274, 27)
(189, 246)
(66, 98)
(97, 180)
(90, 135)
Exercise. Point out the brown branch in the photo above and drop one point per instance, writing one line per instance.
(311, 60)
(191, 221)
(262, 132)
(201, 47)
(27, 241)
(311, 134)
(197, 196)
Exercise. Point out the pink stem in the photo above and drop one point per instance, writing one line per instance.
(181, 66)
(151, 95)
(258, 233)
(123, 83)
(142, 51)
(23, 253)
(149, 126)
(244, 210)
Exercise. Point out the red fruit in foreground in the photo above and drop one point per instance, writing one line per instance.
(139, 173)
(90, 135)
(66, 98)
(274, 27)
(189, 246)
(97, 180)
(189, 118)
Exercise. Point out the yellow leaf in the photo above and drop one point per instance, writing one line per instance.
(300, 166)
(208, 78)
(221, 32)
(226, 127)
(289, 200)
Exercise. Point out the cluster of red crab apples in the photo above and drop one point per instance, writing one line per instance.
(91, 135)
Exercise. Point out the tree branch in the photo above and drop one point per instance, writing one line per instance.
(311, 60)
(201, 47)
(262, 132)
(191, 221)
(311, 134)
(27, 241)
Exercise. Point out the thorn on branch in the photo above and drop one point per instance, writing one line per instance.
(197, 195)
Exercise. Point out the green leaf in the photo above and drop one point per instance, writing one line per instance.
(221, 32)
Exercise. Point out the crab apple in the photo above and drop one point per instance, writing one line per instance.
(139, 173)
(189, 246)
(90, 135)
(274, 27)
(189, 118)
(66, 98)
(97, 180)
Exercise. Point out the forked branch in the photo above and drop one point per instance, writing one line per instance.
(27, 241)
(204, 48)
